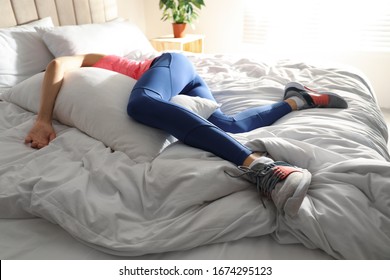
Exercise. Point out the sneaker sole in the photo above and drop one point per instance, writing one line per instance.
(336, 101)
(293, 204)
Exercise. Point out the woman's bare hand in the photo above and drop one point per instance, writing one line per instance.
(40, 135)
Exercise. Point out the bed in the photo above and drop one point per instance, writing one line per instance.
(110, 188)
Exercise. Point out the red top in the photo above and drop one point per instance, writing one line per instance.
(131, 68)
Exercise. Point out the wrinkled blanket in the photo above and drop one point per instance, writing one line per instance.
(94, 182)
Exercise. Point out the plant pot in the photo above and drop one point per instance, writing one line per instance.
(178, 29)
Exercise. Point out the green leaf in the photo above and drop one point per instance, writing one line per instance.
(180, 11)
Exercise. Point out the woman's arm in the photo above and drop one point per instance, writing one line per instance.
(43, 132)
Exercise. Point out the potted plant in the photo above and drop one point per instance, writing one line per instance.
(181, 12)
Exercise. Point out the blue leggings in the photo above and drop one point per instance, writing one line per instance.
(172, 74)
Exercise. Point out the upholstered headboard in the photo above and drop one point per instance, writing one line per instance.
(62, 12)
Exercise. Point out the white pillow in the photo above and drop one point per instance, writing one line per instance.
(202, 106)
(117, 37)
(22, 52)
(95, 101)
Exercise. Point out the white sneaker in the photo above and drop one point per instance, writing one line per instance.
(285, 184)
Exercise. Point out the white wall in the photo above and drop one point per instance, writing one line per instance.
(221, 23)
(133, 10)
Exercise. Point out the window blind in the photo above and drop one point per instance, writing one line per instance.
(331, 24)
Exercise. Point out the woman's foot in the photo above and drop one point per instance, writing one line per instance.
(307, 98)
(285, 184)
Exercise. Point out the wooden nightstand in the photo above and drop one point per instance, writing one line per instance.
(190, 43)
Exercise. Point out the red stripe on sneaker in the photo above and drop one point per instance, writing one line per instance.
(320, 99)
(283, 171)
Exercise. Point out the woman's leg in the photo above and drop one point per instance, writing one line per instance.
(149, 104)
(244, 121)
(250, 119)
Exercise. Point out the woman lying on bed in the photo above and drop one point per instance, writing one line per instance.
(171, 74)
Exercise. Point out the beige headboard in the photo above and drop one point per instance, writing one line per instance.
(62, 12)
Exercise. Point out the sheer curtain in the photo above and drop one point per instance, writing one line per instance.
(314, 25)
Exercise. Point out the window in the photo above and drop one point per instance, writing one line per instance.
(315, 24)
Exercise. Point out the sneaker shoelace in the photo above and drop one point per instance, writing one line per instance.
(265, 178)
